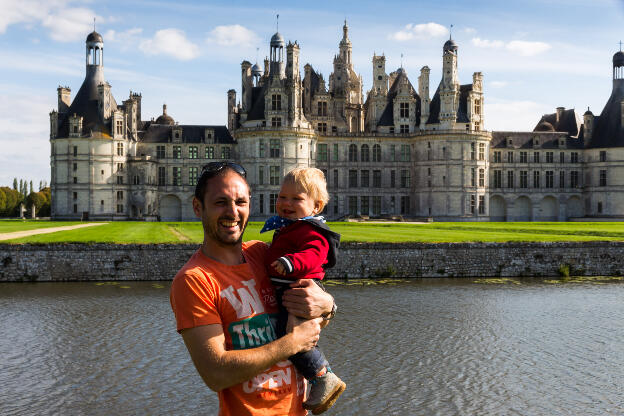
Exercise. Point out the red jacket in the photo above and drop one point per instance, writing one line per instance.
(303, 246)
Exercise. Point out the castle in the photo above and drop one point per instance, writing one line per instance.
(396, 151)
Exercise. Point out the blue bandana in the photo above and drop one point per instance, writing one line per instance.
(276, 222)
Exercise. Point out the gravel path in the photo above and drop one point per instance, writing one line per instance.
(20, 234)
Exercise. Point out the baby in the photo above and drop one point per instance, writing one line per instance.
(302, 248)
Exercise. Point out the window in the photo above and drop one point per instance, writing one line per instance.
(392, 178)
(76, 180)
(473, 177)
(498, 179)
(274, 175)
(120, 149)
(210, 152)
(75, 167)
(75, 205)
(574, 157)
(481, 151)
(603, 178)
(276, 122)
(405, 178)
(162, 175)
(177, 176)
(404, 128)
(225, 152)
(119, 167)
(322, 128)
(75, 195)
(364, 201)
(482, 177)
(120, 180)
(136, 180)
(272, 199)
(274, 148)
(120, 209)
(472, 204)
(352, 153)
(524, 179)
(376, 179)
(119, 195)
(536, 179)
(75, 150)
(261, 204)
(193, 153)
(335, 178)
(405, 153)
(335, 152)
(392, 153)
(364, 179)
(510, 179)
(376, 153)
(322, 108)
(352, 178)
(599, 207)
(177, 152)
(261, 148)
(603, 156)
(391, 130)
(321, 152)
(365, 155)
(334, 129)
(536, 157)
(473, 155)
(509, 157)
(160, 152)
(353, 209)
(524, 157)
(481, 204)
(497, 157)
(404, 110)
(276, 102)
(193, 170)
(405, 205)
(549, 157)
(260, 175)
(561, 157)
(574, 179)
(561, 179)
(119, 127)
(376, 205)
(477, 106)
(550, 179)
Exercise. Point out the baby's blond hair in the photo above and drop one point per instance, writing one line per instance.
(312, 182)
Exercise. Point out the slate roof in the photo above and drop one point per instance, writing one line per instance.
(568, 123)
(608, 130)
(257, 103)
(387, 116)
(462, 109)
(158, 133)
(524, 140)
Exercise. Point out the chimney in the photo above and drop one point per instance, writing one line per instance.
(560, 111)
(64, 99)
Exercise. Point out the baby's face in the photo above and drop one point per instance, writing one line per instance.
(293, 204)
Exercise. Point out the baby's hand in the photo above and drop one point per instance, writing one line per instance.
(279, 267)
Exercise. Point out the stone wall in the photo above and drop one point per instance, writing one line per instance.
(84, 262)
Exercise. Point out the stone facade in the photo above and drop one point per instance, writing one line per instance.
(395, 151)
(96, 262)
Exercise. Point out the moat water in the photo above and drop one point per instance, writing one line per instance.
(422, 347)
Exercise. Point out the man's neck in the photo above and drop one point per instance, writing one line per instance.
(230, 255)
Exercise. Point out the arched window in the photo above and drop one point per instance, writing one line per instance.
(376, 153)
(352, 153)
(364, 157)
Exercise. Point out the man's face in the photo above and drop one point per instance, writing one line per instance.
(225, 209)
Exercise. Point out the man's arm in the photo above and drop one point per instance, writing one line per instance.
(220, 368)
(307, 300)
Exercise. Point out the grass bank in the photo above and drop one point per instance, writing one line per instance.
(444, 232)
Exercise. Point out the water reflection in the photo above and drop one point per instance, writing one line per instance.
(430, 347)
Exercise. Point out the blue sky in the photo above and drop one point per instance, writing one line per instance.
(535, 55)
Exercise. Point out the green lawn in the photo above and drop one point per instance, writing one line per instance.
(191, 232)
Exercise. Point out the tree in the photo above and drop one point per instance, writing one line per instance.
(31, 187)
(15, 184)
(13, 199)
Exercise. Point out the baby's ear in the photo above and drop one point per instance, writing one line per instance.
(318, 206)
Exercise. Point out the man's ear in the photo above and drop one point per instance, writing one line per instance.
(198, 207)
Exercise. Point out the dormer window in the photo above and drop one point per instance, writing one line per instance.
(209, 136)
(276, 102)
(404, 110)
(177, 134)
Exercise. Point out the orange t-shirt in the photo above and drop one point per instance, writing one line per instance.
(241, 299)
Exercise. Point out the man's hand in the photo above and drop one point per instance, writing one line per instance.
(307, 300)
(279, 267)
(306, 332)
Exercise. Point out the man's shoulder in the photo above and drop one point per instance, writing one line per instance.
(255, 248)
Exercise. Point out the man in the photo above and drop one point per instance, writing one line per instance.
(223, 301)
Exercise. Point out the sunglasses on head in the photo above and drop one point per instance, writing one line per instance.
(213, 168)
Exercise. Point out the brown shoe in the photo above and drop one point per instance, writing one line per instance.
(324, 392)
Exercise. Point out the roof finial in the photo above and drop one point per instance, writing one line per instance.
(620, 46)
(401, 61)
(94, 28)
(257, 49)
(277, 23)
(451, 32)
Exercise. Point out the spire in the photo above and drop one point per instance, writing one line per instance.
(277, 23)
(345, 31)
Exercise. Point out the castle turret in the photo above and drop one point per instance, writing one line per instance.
(232, 109)
(64, 99)
(423, 92)
(449, 89)
(345, 46)
(380, 78)
(588, 126)
(277, 56)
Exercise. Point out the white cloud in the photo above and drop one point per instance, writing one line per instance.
(527, 48)
(510, 115)
(498, 84)
(470, 30)
(420, 31)
(171, 42)
(233, 35)
(124, 40)
(520, 47)
(72, 24)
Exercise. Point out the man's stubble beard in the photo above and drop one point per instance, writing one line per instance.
(214, 235)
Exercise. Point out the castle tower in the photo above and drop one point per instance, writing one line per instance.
(588, 126)
(449, 88)
(423, 92)
(246, 86)
(345, 46)
(276, 56)
(380, 78)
